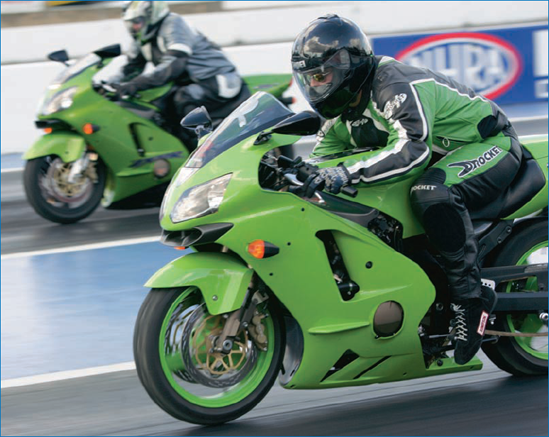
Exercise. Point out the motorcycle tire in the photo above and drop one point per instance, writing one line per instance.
(172, 322)
(521, 356)
(52, 208)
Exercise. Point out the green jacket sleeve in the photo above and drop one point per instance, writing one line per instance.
(408, 148)
(334, 137)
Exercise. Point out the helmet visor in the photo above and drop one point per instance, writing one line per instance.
(318, 83)
(135, 26)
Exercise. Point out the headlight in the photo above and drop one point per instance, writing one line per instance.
(61, 100)
(183, 174)
(200, 200)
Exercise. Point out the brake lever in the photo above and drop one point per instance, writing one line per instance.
(297, 188)
(349, 191)
(287, 163)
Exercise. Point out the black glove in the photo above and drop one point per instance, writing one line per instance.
(127, 89)
(331, 179)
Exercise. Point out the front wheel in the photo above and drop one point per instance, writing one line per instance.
(173, 350)
(522, 356)
(64, 192)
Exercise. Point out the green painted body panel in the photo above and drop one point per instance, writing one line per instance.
(155, 93)
(537, 146)
(68, 146)
(222, 281)
(302, 280)
(391, 198)
(123, 132)
(274, 84)
(300, 275)
(115, 142)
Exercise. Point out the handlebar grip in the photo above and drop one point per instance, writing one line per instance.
(350, 191)
(305, 171)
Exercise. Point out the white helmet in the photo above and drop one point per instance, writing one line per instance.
(142, 18)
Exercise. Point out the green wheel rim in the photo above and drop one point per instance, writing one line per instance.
(531, 322)
(231, 395)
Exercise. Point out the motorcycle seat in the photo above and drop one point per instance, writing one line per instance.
(527, 183)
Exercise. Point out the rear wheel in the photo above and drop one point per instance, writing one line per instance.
(61, 194)
(522, 356)
(173, 349)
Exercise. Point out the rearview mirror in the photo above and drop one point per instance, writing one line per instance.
(112, 51)
(59, 56)
(198, 120)
(304, 123)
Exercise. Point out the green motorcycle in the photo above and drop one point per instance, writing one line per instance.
(101, 149)
(325, 291)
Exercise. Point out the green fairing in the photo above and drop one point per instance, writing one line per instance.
(274, 84)
(301, 268)
(129, 171)
(115, 145)
(213, 274)
(537, 146)
(332, 339)
(68, 146)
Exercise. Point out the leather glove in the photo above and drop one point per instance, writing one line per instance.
(127, 89)
(331, 179)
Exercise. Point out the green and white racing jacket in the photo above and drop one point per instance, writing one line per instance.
(411, 113)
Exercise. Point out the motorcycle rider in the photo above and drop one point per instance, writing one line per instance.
(179, 53)
(416, 119)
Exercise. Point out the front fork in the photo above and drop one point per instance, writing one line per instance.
(80, 168)
(246, 317)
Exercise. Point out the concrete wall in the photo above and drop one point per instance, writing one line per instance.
(268, 25)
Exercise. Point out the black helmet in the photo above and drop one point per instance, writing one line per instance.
(332, 60)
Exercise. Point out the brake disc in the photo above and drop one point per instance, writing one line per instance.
(208, 367)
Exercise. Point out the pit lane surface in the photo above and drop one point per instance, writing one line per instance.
(488, 402)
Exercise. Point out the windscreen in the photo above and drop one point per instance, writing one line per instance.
(256, 114)
(75, 69)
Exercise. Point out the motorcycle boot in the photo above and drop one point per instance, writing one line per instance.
(471, 317)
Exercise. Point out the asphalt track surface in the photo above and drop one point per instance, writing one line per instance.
(488, 402)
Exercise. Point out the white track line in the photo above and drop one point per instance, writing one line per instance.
(70, 374)
(523, 119)
(83, 247)
(12, 170)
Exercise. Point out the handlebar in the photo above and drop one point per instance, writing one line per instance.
(350, 191)
(110, 92)
(297, 172)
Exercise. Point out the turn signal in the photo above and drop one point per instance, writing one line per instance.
(262, 249)
(179, 248)
(257, 249)
(48, 130)
(89, 128)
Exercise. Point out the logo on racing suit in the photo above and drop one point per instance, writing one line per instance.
(486, 63)
(358, 123)
(299, 65)
(482, 324)
(393, 104)
(423, 188)
(482, 160)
